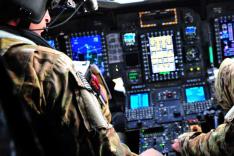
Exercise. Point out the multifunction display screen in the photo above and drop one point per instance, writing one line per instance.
(88, 48)
(195, 94)
(139, 100)
(162, 54)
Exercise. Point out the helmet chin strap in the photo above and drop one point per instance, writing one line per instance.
(24, 24)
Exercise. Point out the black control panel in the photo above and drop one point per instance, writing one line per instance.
(165, 55)
(160, 138)
(194, 90)
(169, 104)
(132, 57)
(221, 19)
(174, 85)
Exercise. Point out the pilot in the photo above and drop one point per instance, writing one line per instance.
(66, 115)
(219, 141)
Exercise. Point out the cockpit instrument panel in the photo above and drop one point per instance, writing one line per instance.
(163, 55)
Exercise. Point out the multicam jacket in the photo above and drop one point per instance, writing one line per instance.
(220, 141)
(67, 117)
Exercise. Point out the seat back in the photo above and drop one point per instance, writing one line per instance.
(17, 117)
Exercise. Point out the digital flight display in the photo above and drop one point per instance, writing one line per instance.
(162, 54)
(133, 75)
(88, 48)
(195, 94)
(227, 37)
(139, 100)
(155, 18)
(51, 42)
(191, 30)
(129, 39)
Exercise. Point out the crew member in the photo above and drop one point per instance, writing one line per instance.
(219, 141)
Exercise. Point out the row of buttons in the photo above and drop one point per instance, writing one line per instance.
(172, 75)
(196, 107)
(138, 114)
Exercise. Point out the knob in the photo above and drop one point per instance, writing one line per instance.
(169, 94)
(188, 18)
(192, 54)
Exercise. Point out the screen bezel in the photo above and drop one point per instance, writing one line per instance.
(101, 66)
(167, 16)
(216, 29)
(177, 63)
(222, 40)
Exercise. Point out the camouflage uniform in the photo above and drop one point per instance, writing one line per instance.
(67, 117)
(219, 141)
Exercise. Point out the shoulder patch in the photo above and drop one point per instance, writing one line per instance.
(230, 115)
(83, 82)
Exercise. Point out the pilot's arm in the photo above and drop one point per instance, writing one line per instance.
(219, 141)
(112, 139)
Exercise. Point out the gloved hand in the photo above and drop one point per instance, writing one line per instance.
(151, 152)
